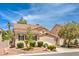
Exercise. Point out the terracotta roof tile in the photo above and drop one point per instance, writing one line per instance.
(56, 29)
(25, 26)
(35, 28)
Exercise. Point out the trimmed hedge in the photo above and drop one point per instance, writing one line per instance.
(32, 44)
(76, 42)
(45, 45)
(52, 47)
(40, 43)
(20, 45)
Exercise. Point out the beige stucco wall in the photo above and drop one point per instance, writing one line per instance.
(51, 40)
(47, 39)
(61, 41)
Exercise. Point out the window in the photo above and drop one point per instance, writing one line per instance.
(35, 37)
(21, 37)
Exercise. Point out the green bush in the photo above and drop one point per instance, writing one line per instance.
(76, 42)
(52, 47)
(20, 45)
(32, 43)
(26, 42)
(40, 43)
(45, 45)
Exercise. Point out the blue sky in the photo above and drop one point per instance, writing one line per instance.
(46, 15)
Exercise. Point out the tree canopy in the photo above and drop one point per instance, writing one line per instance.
(29, 34)
(6, 35)
(69, 32)
(22, 21)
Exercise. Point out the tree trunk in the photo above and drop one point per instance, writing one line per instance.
(57, 42)
(68, 44)
(12, 43)
(64, 43)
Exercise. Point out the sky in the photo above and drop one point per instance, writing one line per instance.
(47, 15)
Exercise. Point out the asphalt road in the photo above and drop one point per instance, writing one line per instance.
(62, 54)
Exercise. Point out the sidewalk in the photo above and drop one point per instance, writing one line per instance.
(59, 50)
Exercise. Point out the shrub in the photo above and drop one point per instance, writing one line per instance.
(26, 42)
(76, 42)
(40, 43)
(45, 45)
(20, 45)
(52, 47)
(32, 43)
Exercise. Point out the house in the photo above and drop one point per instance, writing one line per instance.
(46, 36)
(55, 30)
(20, 32)
(49, 38)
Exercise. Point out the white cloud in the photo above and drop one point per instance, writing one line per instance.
(6, 17)
(31, 17)
(15, 12)
(47, 11)
(46, 14)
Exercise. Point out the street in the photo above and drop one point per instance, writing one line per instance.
(62, 54)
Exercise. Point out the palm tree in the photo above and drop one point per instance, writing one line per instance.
(9, 25)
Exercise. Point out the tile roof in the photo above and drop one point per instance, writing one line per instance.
(56, 29)
(24, 26)
(35, 28)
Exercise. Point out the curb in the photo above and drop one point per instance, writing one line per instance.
(36, 54)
